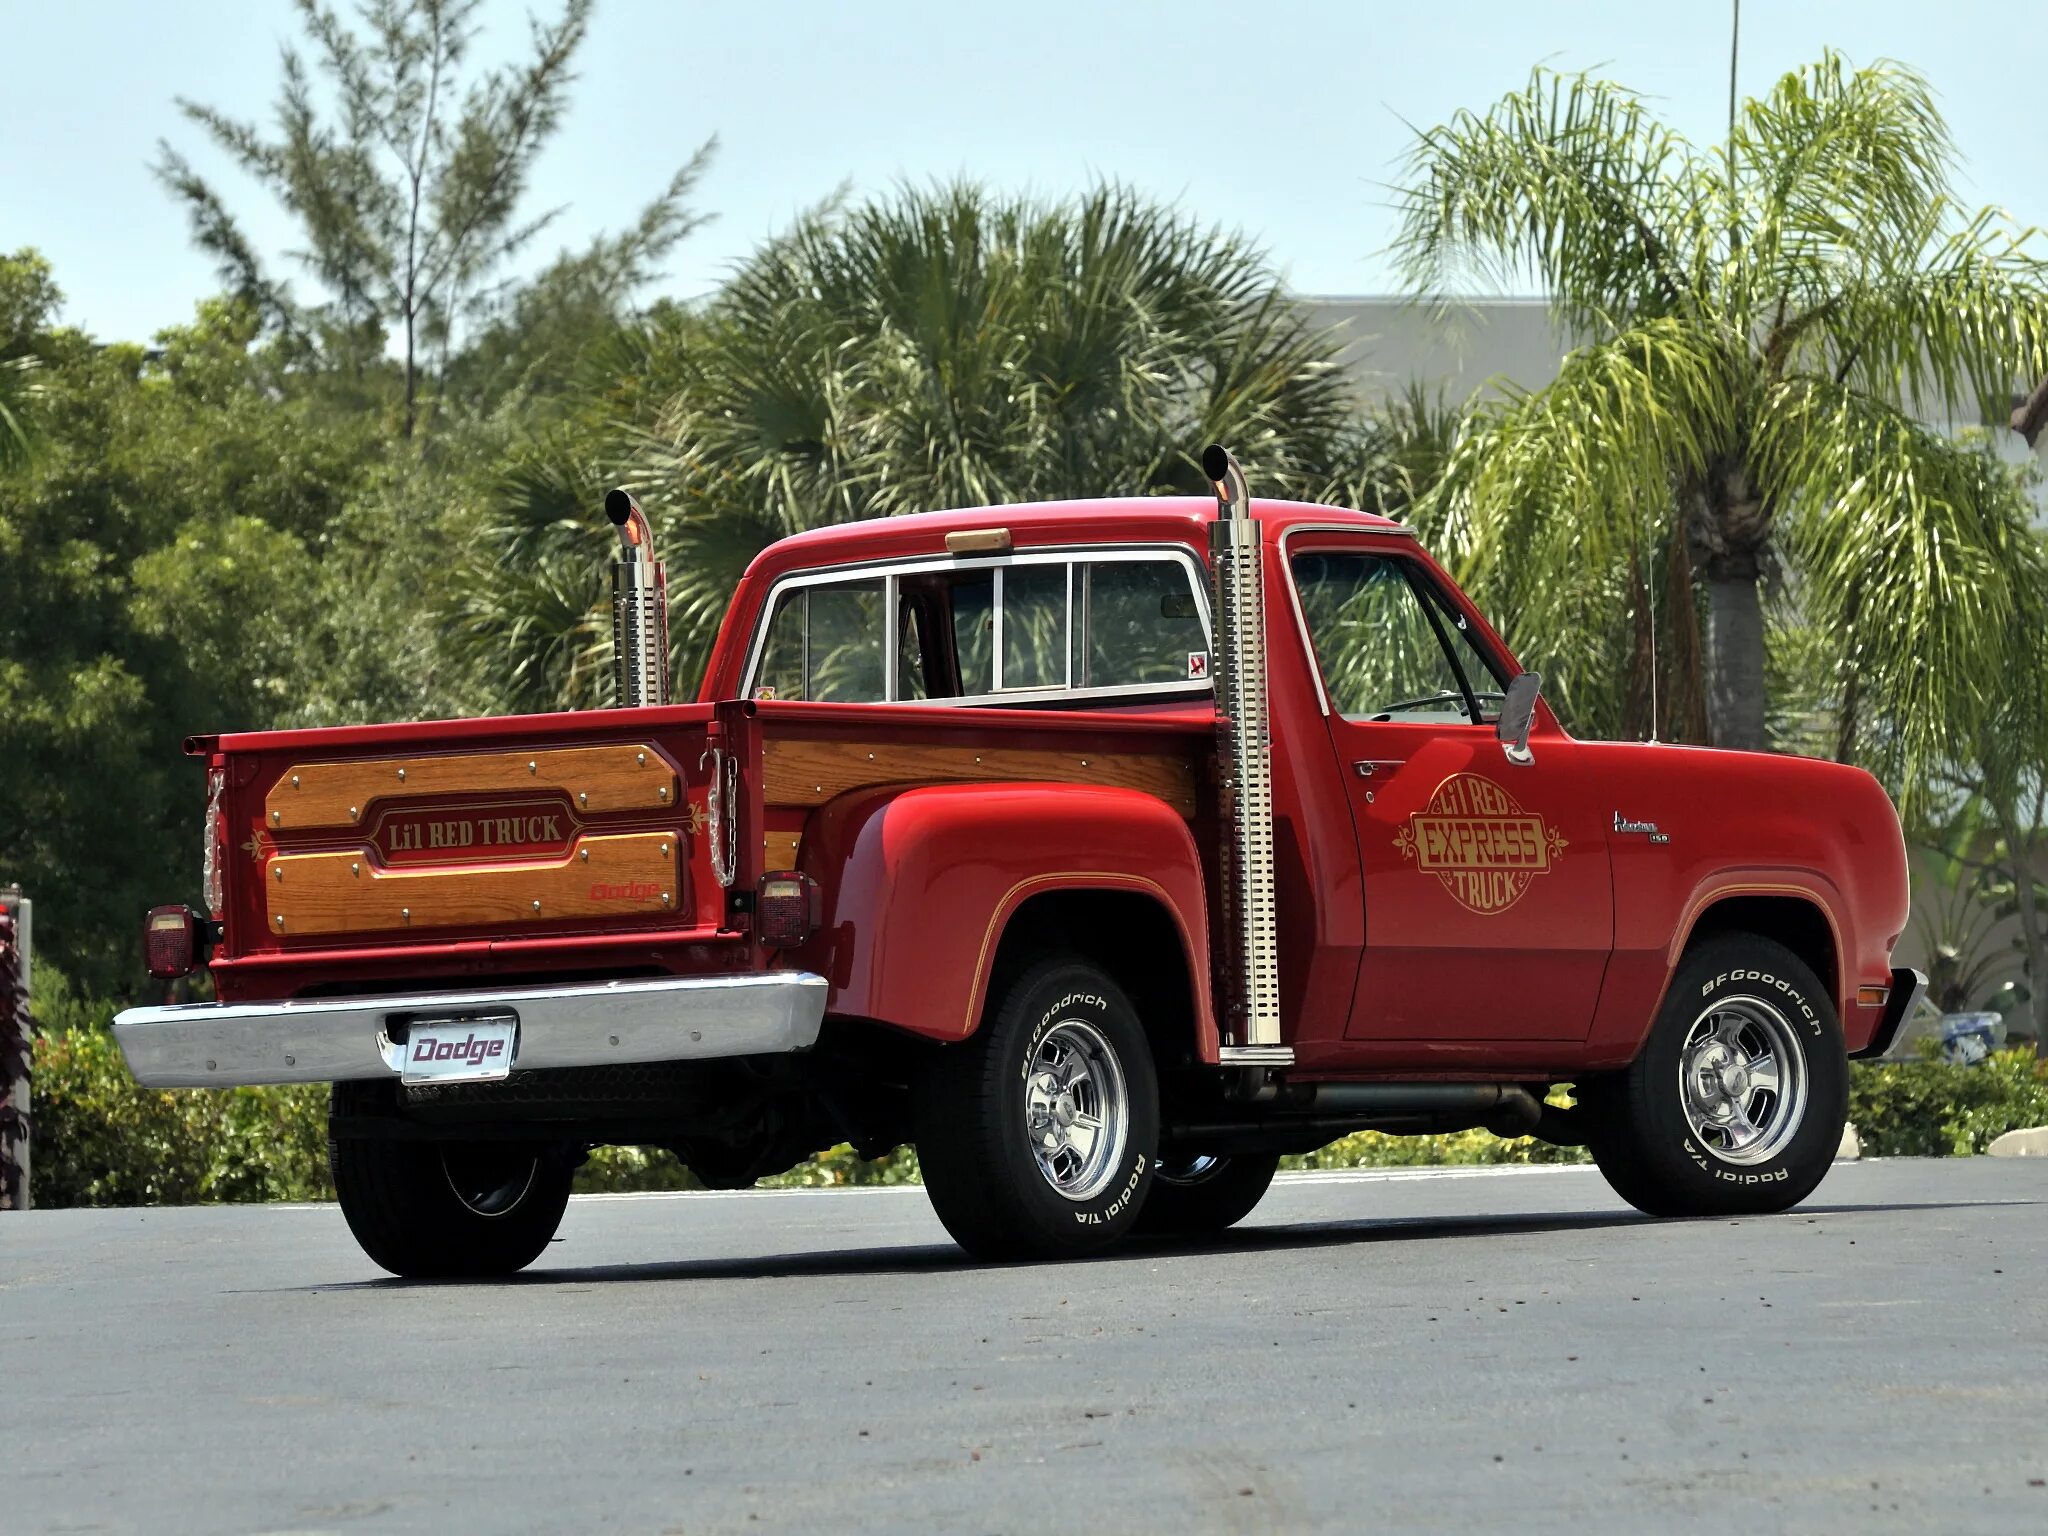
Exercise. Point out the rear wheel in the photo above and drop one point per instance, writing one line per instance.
(431, 1209)
(1036, 1134)
(1735, 1104)
(1196, 1196)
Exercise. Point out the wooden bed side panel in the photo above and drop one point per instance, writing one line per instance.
(808, 772)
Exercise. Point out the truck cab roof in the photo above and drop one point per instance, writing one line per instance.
(1109, 520)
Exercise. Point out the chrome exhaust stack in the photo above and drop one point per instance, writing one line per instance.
(1244, 742)
(639, 608)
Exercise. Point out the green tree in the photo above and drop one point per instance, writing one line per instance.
(158, 559)
(1764, 326)
(28, 298)
(1992, 832)
(939, 348)
(18, 391)
(410, 193)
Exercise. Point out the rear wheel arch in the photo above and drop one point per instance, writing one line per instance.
(1134, 936)
(1797, 921)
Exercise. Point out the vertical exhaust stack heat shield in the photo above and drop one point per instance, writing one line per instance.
(1245, 758)
(639, 609)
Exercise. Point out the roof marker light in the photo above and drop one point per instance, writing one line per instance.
(978, 541)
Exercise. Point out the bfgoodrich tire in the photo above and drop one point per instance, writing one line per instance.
(435, 1210)
(1036, 1134)
(1736, 1102)
(1199, 1196)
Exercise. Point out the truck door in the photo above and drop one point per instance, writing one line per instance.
(1489, 911)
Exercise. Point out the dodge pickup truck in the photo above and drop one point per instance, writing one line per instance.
(1106, 851)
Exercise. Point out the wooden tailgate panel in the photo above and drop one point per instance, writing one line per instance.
(596, 779)
(488, 842)
(629, 875)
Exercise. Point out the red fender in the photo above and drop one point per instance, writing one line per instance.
(920, 882)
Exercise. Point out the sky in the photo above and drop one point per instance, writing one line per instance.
(1279, 118)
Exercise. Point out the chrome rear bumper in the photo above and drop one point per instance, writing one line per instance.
(584, 1024)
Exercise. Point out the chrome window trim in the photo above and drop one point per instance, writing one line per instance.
(891, 639)
(1308, 648)
(1070, 555)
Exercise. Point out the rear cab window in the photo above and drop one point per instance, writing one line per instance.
(1037, 628)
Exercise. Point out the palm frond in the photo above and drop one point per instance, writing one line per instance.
(20, 391)
(1916, 550)
(1569, 183)
(1826, 167)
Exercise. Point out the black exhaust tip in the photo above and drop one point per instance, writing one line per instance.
(618, 505)
(1215, 461)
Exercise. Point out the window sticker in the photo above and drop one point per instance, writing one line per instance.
(1198, 664)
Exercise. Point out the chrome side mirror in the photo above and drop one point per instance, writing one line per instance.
(1517, 715)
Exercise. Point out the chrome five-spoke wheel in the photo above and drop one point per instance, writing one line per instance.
(1036, 1133)
(1742, 1080)
(1076, 1110)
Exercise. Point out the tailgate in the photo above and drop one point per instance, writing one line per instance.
(537, 844)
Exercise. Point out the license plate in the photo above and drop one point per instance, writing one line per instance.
(458, 1050)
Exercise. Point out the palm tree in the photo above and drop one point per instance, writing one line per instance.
(1764, 325)
(19, 388)
(931, 349)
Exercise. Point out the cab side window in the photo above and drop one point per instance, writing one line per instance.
(1141, 625)
(1389, 645)
(824, 643)
(1034, 607)
(1037, 629)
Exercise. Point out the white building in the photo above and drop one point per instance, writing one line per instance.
(1391, 343)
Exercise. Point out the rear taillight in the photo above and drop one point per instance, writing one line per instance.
(787, 910)
(170, 942)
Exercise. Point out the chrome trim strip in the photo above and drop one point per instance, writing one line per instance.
(579, 1024)
(1255, 1056)
(891, 641)
(995, 620)
(1022, 696)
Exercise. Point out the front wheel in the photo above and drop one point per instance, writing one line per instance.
(1200, 1196)
(436, 1210)
(1036, 1134)
(1736, 1102)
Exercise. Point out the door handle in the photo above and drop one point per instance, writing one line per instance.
(1369, 767)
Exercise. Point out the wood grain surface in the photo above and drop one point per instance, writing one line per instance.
(596, 779)
(807, 773)
(627, 875)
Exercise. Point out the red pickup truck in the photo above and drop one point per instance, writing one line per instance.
(1107, 851)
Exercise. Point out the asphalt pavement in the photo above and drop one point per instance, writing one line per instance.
(1455, 1350)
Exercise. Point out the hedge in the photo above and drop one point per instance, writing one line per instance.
(1928, 1108)
(101, 1140)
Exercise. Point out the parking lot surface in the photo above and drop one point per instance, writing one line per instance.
(1434, 1351)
